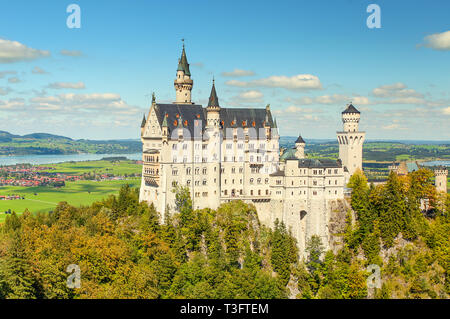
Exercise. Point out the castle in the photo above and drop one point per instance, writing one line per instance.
(223, 154)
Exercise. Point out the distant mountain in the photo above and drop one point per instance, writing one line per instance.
(50, 144)
(45, 136)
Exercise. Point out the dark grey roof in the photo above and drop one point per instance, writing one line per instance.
(319, 163)
(350, 109)
(189, 113)
(183, 64)
(300, 140)
(143, 121)
(229, 117)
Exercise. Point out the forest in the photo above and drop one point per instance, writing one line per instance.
(124, 251)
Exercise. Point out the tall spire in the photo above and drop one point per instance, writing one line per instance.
(143, 121)
(184, 63)
(213, 99)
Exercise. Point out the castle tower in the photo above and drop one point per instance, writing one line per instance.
(441, 179)
(183, 82)
(300, 146)
(213, 109)
(351, 140)
(214, 155)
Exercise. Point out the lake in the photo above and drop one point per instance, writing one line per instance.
(52, 159)
(437, 163)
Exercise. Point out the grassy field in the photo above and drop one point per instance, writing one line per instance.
(75, 193)
(99, 167)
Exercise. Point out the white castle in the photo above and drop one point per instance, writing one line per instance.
(224, 154)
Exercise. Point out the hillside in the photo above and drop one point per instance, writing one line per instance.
(49, 144)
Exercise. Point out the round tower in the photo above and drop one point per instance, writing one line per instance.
(300, 147)
(350, 118)
(441, 179)
(351, 141)
(183, 83)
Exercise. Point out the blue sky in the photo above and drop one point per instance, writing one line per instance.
(308, 59)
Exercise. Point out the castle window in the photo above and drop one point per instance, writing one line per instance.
(335, 182)
(188, 182)
(204, 182)
(174, 146)
(259, 192)
(267, 192)
(278, 181)
(329, 171)
(240, 192)
(335, 171)
(267, 181)
(204, 170)
(225, 192)
(314, 193)
(240, 169)
(233, 170)
(259, 180)
(229, 146)
(240, 146)
(251, 180)
(188, 171)
(315, 183)
(197, 171)
(174, 172)
(251, 192)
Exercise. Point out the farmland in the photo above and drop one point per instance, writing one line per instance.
(80, 192)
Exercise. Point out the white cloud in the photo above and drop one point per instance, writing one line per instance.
(106, 103)
(296, 82)
(12, 105)
(238, 73)
(446, 111)
(13, 51)
(3, 73)
(438, 41)
(250, 96)
(14, 80)
(38, 70)
(67, 85)
(395, 90)
(71, 53)
(5, 90)
(295, 109)
(331, 99)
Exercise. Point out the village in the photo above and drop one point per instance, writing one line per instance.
(27, 175)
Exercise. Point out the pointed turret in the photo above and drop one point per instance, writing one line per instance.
(184, 63)
(213, 99)
(213, 109)
(143, 121)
